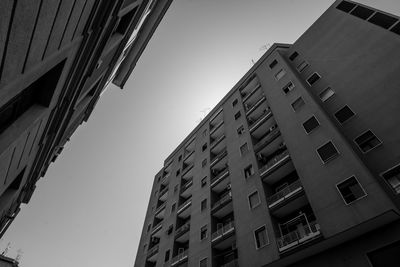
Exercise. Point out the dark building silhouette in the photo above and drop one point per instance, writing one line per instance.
(298, 165)
(56, 58)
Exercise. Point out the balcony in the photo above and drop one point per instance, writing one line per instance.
(267, 113)
(287, 193)
(182, 233)
(187, 173)
(217, 141)
(165, 179)
(215, 129)
(189, 157)
(181, 257)
(223, 206)
(250, 109)
(183, 209)
(156, 227)
(186, 189)
(233, 263)
(163, 193)
(160, 211)
(219, 180)
(302, 235)
(152, 253)
(272, 133)
(275, 163)
(224, 236)
(218, 157)
(247, 95)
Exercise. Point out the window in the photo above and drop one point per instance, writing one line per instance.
(240, 130)
(180, 158)
(170, 229)
(302, 66)
(396, 29)
(125, 22)
(203, 262)
(204, 147)
(166, 258)
(392, 177)
(310, 124)
(237, 115)
(203, 232)
(350, 190)
(148, 227)
(382, 20)
(344, 114)
(173, 207)
(261, 237)
(273, 64)
(280, 74)
(234, 103)
(346, 6)
(203, 204)
(297, 104)
(367, 141)
(175, 189)
(327, 152)
(248, 171)
(293, 56)
(204, 163)
(204, 182)
(254, 200)
(178, 172)
(244, 149)
(362, 12)
(288, 87)
(326, 94)
(313, 78)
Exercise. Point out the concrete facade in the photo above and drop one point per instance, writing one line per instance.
(56, 58)
(298, 165)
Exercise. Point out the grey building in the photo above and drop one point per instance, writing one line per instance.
(298, 165)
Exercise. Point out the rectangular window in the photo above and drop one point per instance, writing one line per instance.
(297, 104)
(288, 87)
(204, 163)
(310, 124)
(326, 94)
(254, 200)
(237, 115)
(244, 149)
(350, 190)
(327, 152)
(392, 177)
(382, 20)
(148, 227)
(203, 262)
(367, 141)
(280, 74)
(362, 12)
(166, 258)
(175, 189)
(273, 64)
(170, 229)
(178, 172)
(205, 133)
(302, 66)
(204, 182)
(344, 114)
(248, 171)
(313, 78)
(234, 103)
(173, 207)
(293, 56)
(203, 232)
(261, 237)
(124, 22)
(240, 130)
(204, 147)
(180, 158)
(203, 204)
(345, 6)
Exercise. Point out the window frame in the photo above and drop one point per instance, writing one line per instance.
(280, 71)
(326, 89)
(386, 171)
(342, 123)
(241, 127)
(331, 158)
(358, 182)
(319, 78)
(235, 102)
(205, 258)
(287, 86)
(206, 232)
(296, 101)
(319, 124)
(249, 202)
(306, 65)
(246, 152)
(250, 166)
(365, 152)
(255, 237)
(201, 205)
(239, 115)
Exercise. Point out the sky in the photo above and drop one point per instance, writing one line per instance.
(89, 209)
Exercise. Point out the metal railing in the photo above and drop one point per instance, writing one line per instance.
(179, 257)
(216, 141)
(262, 116)
(222, 201)
(165, 177)
(216, 126)
(246, 96)
(274, 161)
(187, 154)
(267, 138)
(184, 204)
(223, 172)
(187, 185)
(227, 228)
(284, 192)
(160, 208)
(163, 191)
(152, 251)
(183, 229)
(219, 156)
(233, 263)
(249, 109)
(157, 226)
(309, 230)
(187, 169)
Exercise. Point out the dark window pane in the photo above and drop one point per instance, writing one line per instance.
(313, 78)
(327, 152)
(293, 56)
(273, 64)
(310, 124)
(346, 6)
(382, 20)
(362, 12)
(350, 190)
(344, 114)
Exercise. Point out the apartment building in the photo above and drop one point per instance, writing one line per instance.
(298, 165)
(56, 58)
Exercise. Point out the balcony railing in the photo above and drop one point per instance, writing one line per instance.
(163, 191)
(183, 229)
(187, 169)
(165, 177)
(299, 236)
(246, 96)
(187, 154)
(222, 173)
(218, 157)
(160, 208)
(285, 193)
(216, 126)
(225, 199)
(250, 109)
(233, 263)
(157, 227)
(273, 162)
(253, 125)
(226, 229)
(184, 205)
(216, 141)
(187, 185)
(180, 257)
(152, 251)
(272, 133)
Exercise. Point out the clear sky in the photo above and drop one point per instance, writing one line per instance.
(89, 208)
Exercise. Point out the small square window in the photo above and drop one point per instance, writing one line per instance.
(204, 147)
(351, 190)
(346, 6)
(166, 258)
(244, 149)
(261, 237)
(180, 158)
(362, 12)
(205, 133)
(288, 87)
(240, 130)
(326, 94)
(170, 229)
(344, 114)
(327, 152)
(234, 103)
(254, 200)
(204, 163)
(148, 227)
(248, 171)
(203, 204)
(293, 56)
(313, 78)
(178, 172)
(173, 207)
(237, 115)
(310, 124)
(175, 189)
(204, 182)
(273, 64)
(302, 66)
(280, 74)
(203, 232)
(203, 263)
(367, 141)
(392, 177)
(297, 104)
